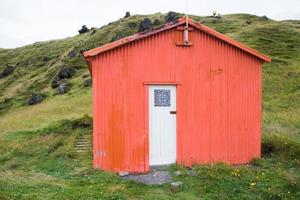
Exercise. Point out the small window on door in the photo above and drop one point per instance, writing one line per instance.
(162, 97)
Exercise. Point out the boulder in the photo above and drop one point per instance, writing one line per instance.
(35, 99)
(127, 14)
(63, 88)
(145, 24)
(66, 72)
(83, 29)
(265, 17)
(122, 174)
(171, 16)
(7, 71)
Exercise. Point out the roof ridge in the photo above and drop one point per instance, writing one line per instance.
(170, 25)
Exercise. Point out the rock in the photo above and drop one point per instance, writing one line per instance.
(152, 178)
(176, 186)
(127, 14)
(122, 174)
(72, 54)
(83, 29)
(55, 82)
(63, 88)
(35, 99)
(171, 16)
(66, 72)
(145, 24)
(192, 172)
(7, 71)
(178, 173)
(265, 17)
(87, 83)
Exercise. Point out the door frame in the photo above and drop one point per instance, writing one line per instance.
(146, 85)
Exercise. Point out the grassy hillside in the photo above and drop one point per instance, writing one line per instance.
(36, 65)
(37, 155)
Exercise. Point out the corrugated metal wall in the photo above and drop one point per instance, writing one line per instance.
(218, 101)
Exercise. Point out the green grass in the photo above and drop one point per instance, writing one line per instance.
(37, 156)
(43, 164)
(51, 110)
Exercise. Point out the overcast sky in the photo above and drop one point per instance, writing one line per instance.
(26, 21)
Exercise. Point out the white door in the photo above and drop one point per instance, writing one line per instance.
(162, 124)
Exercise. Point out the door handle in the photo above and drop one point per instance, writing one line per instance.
(173, 112)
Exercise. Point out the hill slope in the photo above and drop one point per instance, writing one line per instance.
(37, 65)
(38, 156)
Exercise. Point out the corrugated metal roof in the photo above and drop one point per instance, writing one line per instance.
(167, 26)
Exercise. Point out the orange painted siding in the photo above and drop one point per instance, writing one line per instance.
(218, 100)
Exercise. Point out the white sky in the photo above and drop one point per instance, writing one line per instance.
(26, 21)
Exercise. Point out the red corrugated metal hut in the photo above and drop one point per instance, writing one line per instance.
(175, 94)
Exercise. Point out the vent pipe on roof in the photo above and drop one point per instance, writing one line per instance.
(186, 29)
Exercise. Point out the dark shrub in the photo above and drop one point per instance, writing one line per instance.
(145, 24)
(85, 75)
(83, 29)
(94, 31)
(7, 71)
(87, 83)
(66, 72)
(156, 22)
(83, 122)
(35, 99)
(127, 14)
(63, 88)
(171, 16)
(132, 25)
(83, 50)
(117, 36)
(72, 54)
(248, 22)
(5, 104)
(279, 145)
(45, 59)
